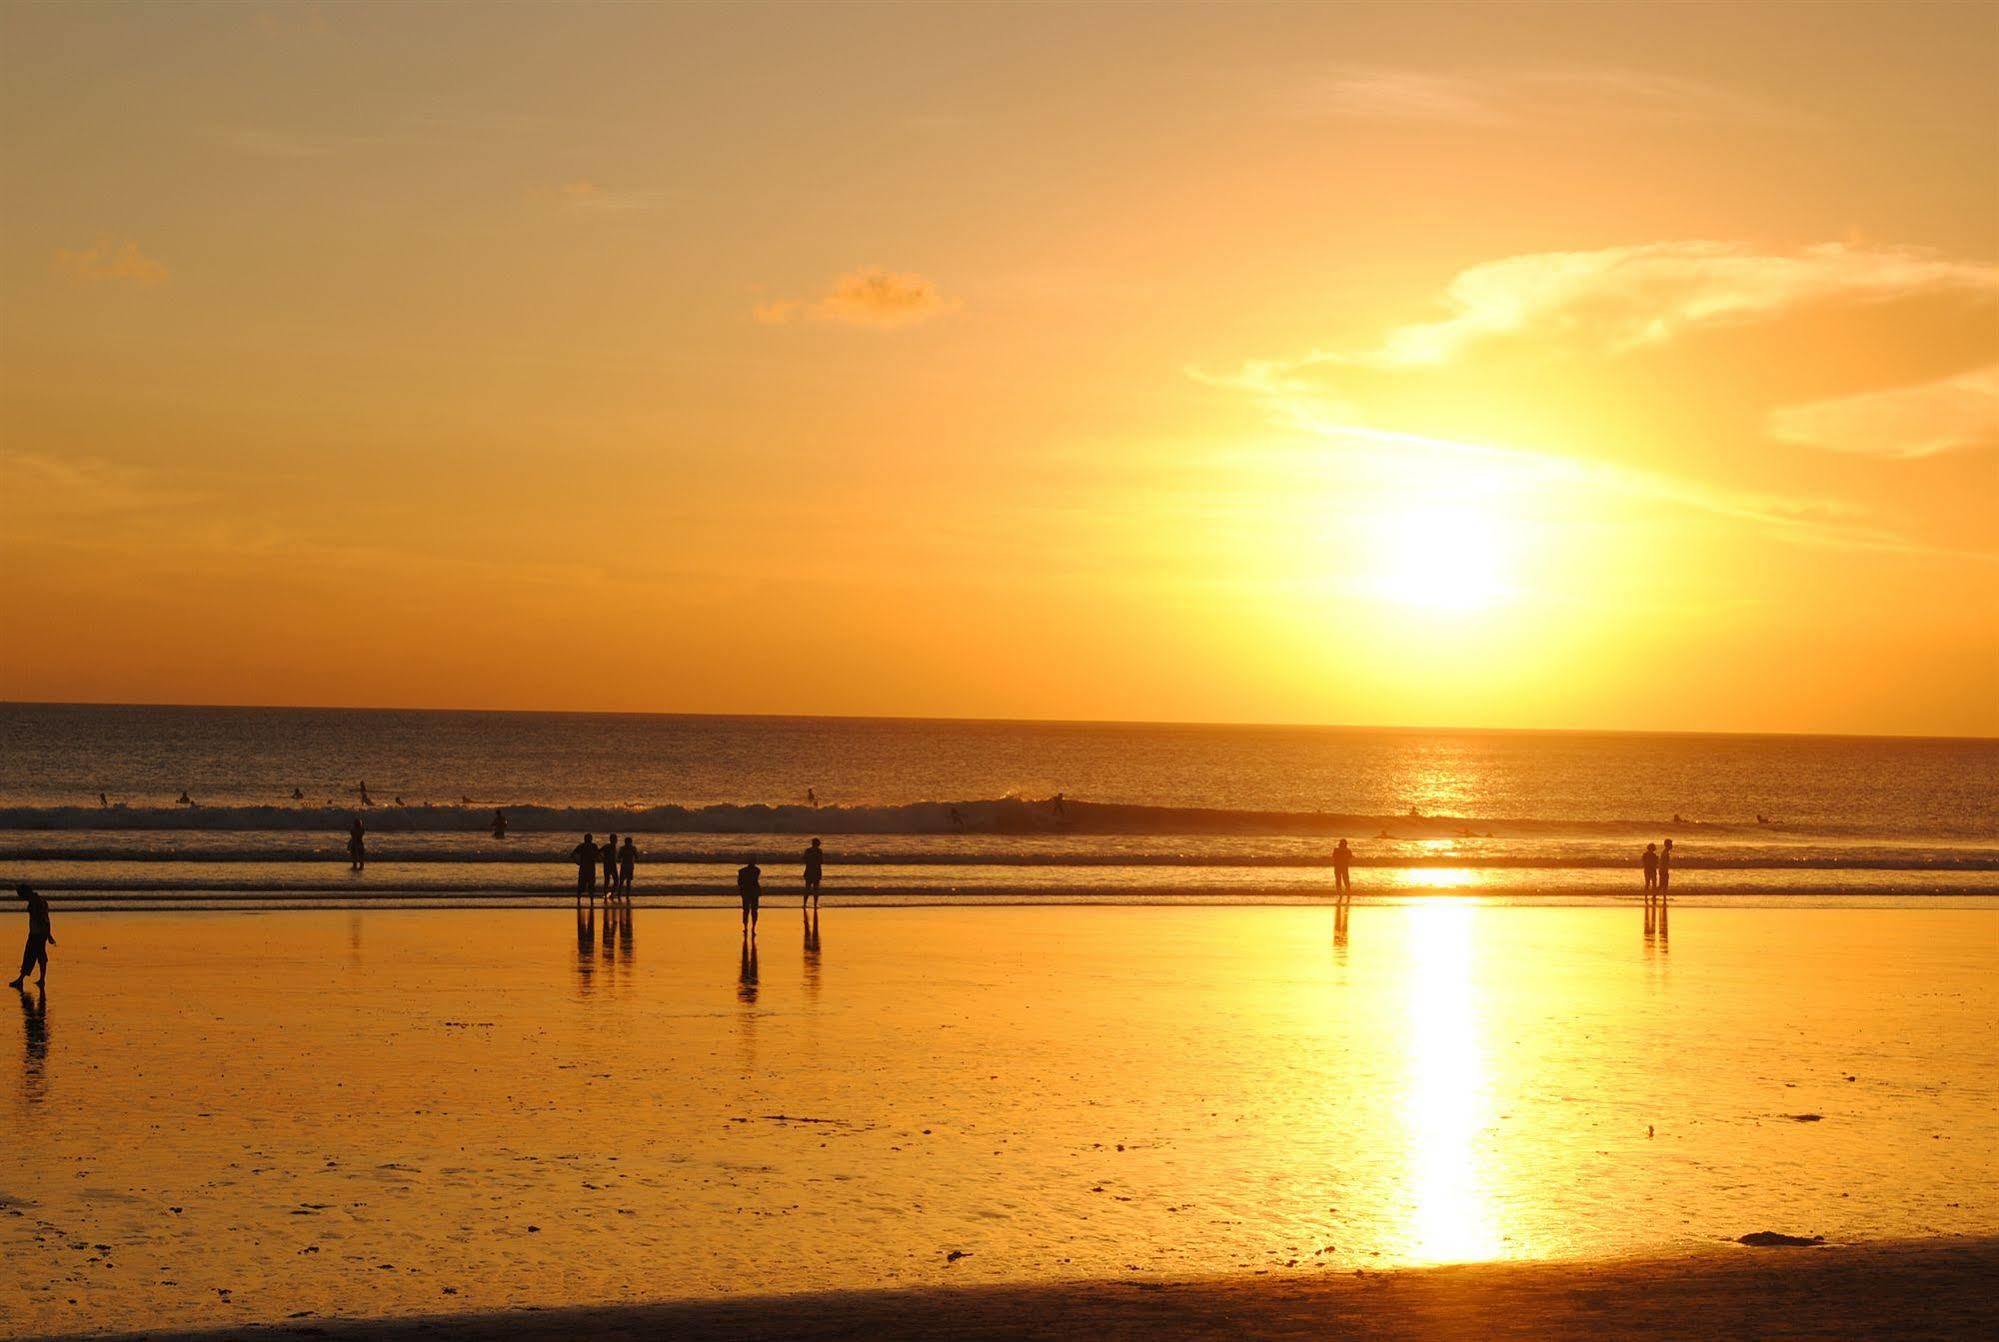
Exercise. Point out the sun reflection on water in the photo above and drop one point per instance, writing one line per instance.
(1451, 1216)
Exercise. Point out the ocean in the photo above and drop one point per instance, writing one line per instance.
(964, 811)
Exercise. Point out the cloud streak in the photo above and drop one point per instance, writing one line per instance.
(871, 296)
(107, 261)
(1514, 98)
(1950, 415)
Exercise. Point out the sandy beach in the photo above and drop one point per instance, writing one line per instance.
(1939, 1289)
(232, 1119)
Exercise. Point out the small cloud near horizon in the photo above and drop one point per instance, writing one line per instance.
(1512, 97)
(871, 296)
(106, 260)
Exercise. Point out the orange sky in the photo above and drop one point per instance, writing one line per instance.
(1568, 366)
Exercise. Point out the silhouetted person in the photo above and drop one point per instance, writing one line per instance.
(609, 853)
(400, 802)
(1665, 868)
(815, 856)
(103, 801)
(585, 854)
(1060, 807)
(628, 865)
(366, 800)
(499, 823)
(357, 846)
(749, 888)
(297, 795)
(957, 821)
(183, 799)
(1651, 864)
(35, 955)
(812, 797)
(1342, 873)
(464, 800)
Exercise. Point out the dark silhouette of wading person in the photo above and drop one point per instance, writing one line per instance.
(585, 854)
(298, 795)
(103, 801)
(812, 798)
(183, 799)
(35, 955)
(499, 823)
(628, 865)
(366, 800)
(1651, 864)
(749, 888)
(357, 846)
(815, 856)
(1665, 868)
(609, 852)
(1342, 870)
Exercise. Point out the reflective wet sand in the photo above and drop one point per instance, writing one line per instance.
(235, 1117)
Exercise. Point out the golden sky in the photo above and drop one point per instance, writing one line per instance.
(1498, 365)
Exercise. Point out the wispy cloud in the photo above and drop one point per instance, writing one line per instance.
(870, 296)
(1515, 98)
(1948, 415)
(106, 260)
(70, 487)
(585, 194)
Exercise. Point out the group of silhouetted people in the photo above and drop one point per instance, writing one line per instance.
(749, 886)
(619, 864)
(1658, 865)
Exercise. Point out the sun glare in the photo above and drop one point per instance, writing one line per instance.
(1447, 557)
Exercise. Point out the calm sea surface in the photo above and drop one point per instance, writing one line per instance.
(931, 810)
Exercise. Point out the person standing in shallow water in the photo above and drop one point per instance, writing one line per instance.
(35, 955)
(1342, 870)
(1665, 868)
(1651, 864)
(585, 854)
(814, 858)
(628, 865)
(749, 888)
(357, 846)
(610, 856)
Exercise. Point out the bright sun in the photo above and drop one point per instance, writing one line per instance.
(1452, 557)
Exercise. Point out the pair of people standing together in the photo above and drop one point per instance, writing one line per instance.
(1658, 864)
(749, 886)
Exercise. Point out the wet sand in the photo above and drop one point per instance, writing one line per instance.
(220, 1120)
(1938, 1289)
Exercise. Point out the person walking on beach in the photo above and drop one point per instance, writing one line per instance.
(585, 854)
(749, 888)
(357, 846)
(1342, 871)
(814, 857)
(35, 955)
(609, 853)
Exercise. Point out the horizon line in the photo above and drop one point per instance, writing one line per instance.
(1006, 721)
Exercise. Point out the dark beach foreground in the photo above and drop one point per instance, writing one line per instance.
(1926, 1289)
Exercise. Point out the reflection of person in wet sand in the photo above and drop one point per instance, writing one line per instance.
(749, 888)
(357, 846)
(746, 973)
(35, 954)
(814, 856)
(35, 1032)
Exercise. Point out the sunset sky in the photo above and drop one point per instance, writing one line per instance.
(1538, 366)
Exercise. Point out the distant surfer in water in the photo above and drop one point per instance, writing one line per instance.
(366, 800)
(297, 795)
(184, 799)
(35, 955)
(812, 798)
(814, 857)
(957, 821)
(357, 846)
(104, 801)
(499, 823)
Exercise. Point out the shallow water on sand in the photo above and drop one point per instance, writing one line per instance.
(245, 1116)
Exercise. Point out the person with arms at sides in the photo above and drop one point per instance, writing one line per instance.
(749, 888)
(814, 858)
(585, 854)
(628, 864)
